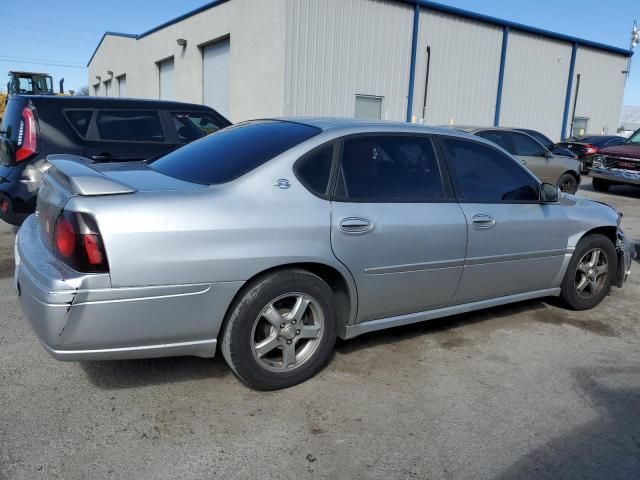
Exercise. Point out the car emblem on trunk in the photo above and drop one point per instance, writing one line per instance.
(282, 183)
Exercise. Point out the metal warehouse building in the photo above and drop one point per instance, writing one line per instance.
(409, 60)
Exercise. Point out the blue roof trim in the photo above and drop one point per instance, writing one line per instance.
(517, 26)
(424, 3)
(114, 34)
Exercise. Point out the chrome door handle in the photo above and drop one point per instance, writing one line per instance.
(482, 221)
(524, 162)
(356, 225)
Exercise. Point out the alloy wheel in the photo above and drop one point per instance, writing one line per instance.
(287, 332)
(591, 273)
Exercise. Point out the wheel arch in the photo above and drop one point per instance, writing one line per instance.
(340, 282)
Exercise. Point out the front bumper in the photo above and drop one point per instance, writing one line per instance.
(616, 175)
(81, 317)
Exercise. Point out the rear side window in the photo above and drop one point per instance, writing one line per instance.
(314, 170)
(130, 126)
(525, 145)
(194, 125)
(79, 120)
(486, 175)
(499, 138)
(232, 152)
(389, 169)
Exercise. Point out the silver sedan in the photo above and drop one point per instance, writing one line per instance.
(274, 237)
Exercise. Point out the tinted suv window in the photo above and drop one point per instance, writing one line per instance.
(314, 170)
(194, 125)
(130, 126)
(232, 152)
(388, 169)
(486, 175)
(525, 146)
(79, 120)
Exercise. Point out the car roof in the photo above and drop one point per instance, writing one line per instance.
(92, 102)
(340, 123)
(475, 128)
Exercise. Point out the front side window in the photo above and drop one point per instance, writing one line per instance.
(194, 125)
(389, 169)
(525, 146)
(130, 126)
(486, 175)
(233, 151)
(634, 139)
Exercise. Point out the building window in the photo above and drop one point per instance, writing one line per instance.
(107, 88)
(122, 86)
(166, 72)
(216, 69)
(369, 107)
(579, 126)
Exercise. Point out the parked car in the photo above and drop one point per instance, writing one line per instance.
(548, 143)
(617, 165)
(559, 170)
(270, 238)
(101, 129)
(586, 147)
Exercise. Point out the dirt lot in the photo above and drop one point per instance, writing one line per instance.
(524, 391)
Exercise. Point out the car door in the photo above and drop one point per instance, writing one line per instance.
(515, 243)
(127, 134)
(396, 226)
(535, 156)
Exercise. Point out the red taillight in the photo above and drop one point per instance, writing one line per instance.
(65, 237)
(78, 243)
(590, 150)
(27, 136)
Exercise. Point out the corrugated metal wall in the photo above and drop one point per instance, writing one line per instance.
(601, 89)
(338, 49)
(535, 83)
(463, 73)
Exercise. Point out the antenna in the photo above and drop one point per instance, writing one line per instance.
(635, 35)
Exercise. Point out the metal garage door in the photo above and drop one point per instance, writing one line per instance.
(215, 69)
(167, 80)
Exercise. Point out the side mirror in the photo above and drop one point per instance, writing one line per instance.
(549, 193)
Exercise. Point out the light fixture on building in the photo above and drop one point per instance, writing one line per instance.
(182, 42)
(110, 73)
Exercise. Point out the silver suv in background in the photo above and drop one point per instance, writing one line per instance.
(548, 167)
(272, 238)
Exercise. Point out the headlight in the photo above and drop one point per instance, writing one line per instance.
(598, 161)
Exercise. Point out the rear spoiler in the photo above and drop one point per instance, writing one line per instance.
(77, 175)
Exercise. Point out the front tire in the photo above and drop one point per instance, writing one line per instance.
(281, 331)
(568, 183)
(590, 273)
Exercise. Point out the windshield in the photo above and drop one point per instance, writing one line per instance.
(232, 152)
(634, 139)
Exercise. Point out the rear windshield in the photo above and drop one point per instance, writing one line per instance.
(232, 152)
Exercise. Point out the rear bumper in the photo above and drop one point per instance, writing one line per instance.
(79, 317)
(616, 175)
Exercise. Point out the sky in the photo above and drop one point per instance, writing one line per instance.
(60, 40)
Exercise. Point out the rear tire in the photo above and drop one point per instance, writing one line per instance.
(568, 183)
(590, 272)
(601, 185)
(281, 331)
(7, 214)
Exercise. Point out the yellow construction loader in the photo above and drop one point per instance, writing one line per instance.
(28, 83)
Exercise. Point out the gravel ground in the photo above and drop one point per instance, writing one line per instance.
(524, 391)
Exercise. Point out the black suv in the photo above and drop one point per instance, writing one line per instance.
(100, 129)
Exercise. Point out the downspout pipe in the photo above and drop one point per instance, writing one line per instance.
(503, 61)
(414, 55)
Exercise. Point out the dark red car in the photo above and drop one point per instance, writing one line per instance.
(618, 165)
(586, 147)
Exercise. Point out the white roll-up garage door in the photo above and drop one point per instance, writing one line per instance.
(167, 80)
(215, 69)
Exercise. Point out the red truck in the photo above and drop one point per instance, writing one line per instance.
(617, 165)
